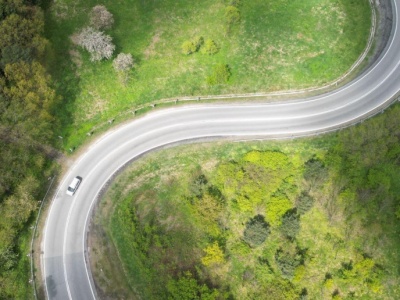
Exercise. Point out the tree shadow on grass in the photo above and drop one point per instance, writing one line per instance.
(64, 70)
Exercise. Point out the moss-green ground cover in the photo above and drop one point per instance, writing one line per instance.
(312, 217)
(280, 44)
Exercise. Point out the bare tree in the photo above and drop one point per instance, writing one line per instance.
(98, 44)
(123, 62)
(101, 18)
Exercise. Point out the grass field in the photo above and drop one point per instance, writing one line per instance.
(277, 45)
(166, 213)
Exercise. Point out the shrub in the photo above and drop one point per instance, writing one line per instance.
(98, 44)
(304, 203)
(198, 185)
(101, 18)
(277, 206)
(187, 287)
(198, 42)
(210, 47)
(123, 62)
(214, 255)
(336, 295)
(315, 171)
(192, 46)
(303, 294)
(299, 273)
(220, 75)
(209, 209)
(290, 226)
(287, 262)
(232, 15)
(188, 47)
(256, 231)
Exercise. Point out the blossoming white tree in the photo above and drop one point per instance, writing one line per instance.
(98, 44)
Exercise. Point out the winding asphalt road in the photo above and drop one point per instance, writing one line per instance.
(64, 245)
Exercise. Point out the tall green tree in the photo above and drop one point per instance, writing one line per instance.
(23, 31)
(30, 100)
(27, 102)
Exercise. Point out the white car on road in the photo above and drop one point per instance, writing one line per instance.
(74, 186)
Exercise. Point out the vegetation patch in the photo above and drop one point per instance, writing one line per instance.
(27, 104)
(176, 46)
(306, 218)
(220, 75)
(256, 231)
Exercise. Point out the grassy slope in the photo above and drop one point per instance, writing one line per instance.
(278, 45)
(353, 218)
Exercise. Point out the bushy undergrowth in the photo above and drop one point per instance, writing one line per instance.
(242, 220)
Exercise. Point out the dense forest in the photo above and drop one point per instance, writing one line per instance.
(27, 102)
(308, 219)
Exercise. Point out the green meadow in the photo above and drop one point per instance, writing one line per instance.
(267, 46)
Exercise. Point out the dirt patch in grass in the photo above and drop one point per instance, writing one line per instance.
(96, 106)
(150, 50)
(76, 58)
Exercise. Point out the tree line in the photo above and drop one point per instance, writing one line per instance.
(27, 104)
